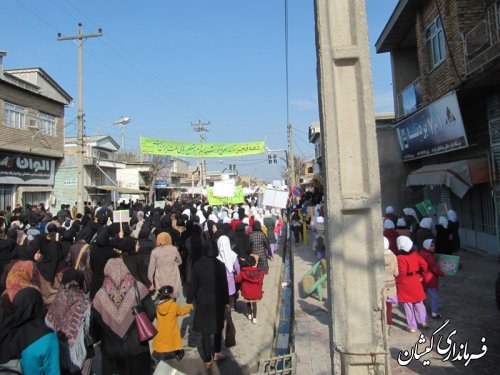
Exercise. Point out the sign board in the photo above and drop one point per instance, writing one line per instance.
(205, 150)
(159, 204)
(275, 198)
(26, 170)
(425, 208)
(238, 197)
(448, 263)
(297, 191)
(225, 189)
(435, 129)
(121, 216)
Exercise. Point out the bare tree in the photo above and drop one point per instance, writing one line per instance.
(154, 168)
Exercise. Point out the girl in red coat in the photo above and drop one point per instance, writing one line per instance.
(409, 285)
(431, 281)
(251, 279)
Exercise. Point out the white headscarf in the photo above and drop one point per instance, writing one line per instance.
(226, 254)
(401, 222)
(452, 216)
(410, 212)
(245, 221)
(443, 221)
(388, 224)
(426, 222)
(187, 212)
(389, 210)
(226, 220)
(427, 244)
(201, 216)
(386, 243)
(404, 243)
(267, 213)
(213, 217)
(236, 216)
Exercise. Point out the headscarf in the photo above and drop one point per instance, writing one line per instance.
(116, 298)
(410, 212)
(443, 221)
(452, 216)
(388, 224)
(386, 243)
(163, 238)
(68, 314)
(257, 227)
(127, 245)
(427, 244)
(28, 320)
(404, 244)
(401, 223)
(52, 260)
(226, 254)
(236, 216)
(389, 210)
(19, 277)
(426, 222)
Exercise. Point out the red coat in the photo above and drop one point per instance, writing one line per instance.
(251, 279)
(408, 282)
(433, 271)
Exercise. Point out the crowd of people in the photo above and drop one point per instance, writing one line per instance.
(412, 273)
(72, 280)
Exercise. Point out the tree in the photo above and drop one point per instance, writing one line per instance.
(154, 168)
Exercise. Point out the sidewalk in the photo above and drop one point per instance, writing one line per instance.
(253, 341)
(467, 299)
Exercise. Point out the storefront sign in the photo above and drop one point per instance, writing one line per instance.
(26, 170)
(435, 129)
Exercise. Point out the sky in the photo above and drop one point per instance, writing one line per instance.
(169, 64)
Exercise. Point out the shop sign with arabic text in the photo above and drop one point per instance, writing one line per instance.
(435, 129)
(26, 170)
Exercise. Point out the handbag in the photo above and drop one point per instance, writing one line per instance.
(230, 339)
(145, 328)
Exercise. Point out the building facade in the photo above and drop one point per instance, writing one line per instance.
(446, 79)
(31, 135)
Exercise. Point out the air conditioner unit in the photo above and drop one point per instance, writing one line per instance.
(33, 123)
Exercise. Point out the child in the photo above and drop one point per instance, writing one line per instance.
(431, 281)
(167, 344)
(251, 279)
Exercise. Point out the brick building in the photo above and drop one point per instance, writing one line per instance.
(445, 58)
(31, 135)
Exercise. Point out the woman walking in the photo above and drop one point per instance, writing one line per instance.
(164, 264)
(260, 247)
(113, 321)
(230, 260)
(208, 289)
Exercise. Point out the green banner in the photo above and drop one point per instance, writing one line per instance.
(238, 197)
(206, 150)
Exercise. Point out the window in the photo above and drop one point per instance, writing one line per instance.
(436, 51)
(13, 115)
(47, 124)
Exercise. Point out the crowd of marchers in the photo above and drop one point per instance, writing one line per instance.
(411, 270)
(73, 281)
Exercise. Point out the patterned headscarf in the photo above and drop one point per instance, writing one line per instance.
(116, 298)
(19, 277)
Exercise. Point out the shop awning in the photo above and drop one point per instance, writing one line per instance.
(119, 189)
(459, 176)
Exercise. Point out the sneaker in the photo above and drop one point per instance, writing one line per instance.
(435, 316)
(425, 325)
(219, 357)
(254, 320)
(249, 316)
(412, 330)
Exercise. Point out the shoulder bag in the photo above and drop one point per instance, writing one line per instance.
(145, 328)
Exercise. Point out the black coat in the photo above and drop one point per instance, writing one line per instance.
(208, 288)
(442, 240)
(454, 236)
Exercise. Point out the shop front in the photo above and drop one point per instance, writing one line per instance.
(26, 179)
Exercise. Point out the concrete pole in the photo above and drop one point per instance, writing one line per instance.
(353, 222)
(80, 38)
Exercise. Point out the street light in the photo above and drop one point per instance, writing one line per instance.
(122, 121)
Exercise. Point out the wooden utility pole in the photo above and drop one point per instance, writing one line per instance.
(80, 39)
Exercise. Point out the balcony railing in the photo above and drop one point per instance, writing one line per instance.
(482, 43)
(409, 99)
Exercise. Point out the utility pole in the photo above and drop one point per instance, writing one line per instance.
(80, 39)
(201, 128)
(291, 157)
